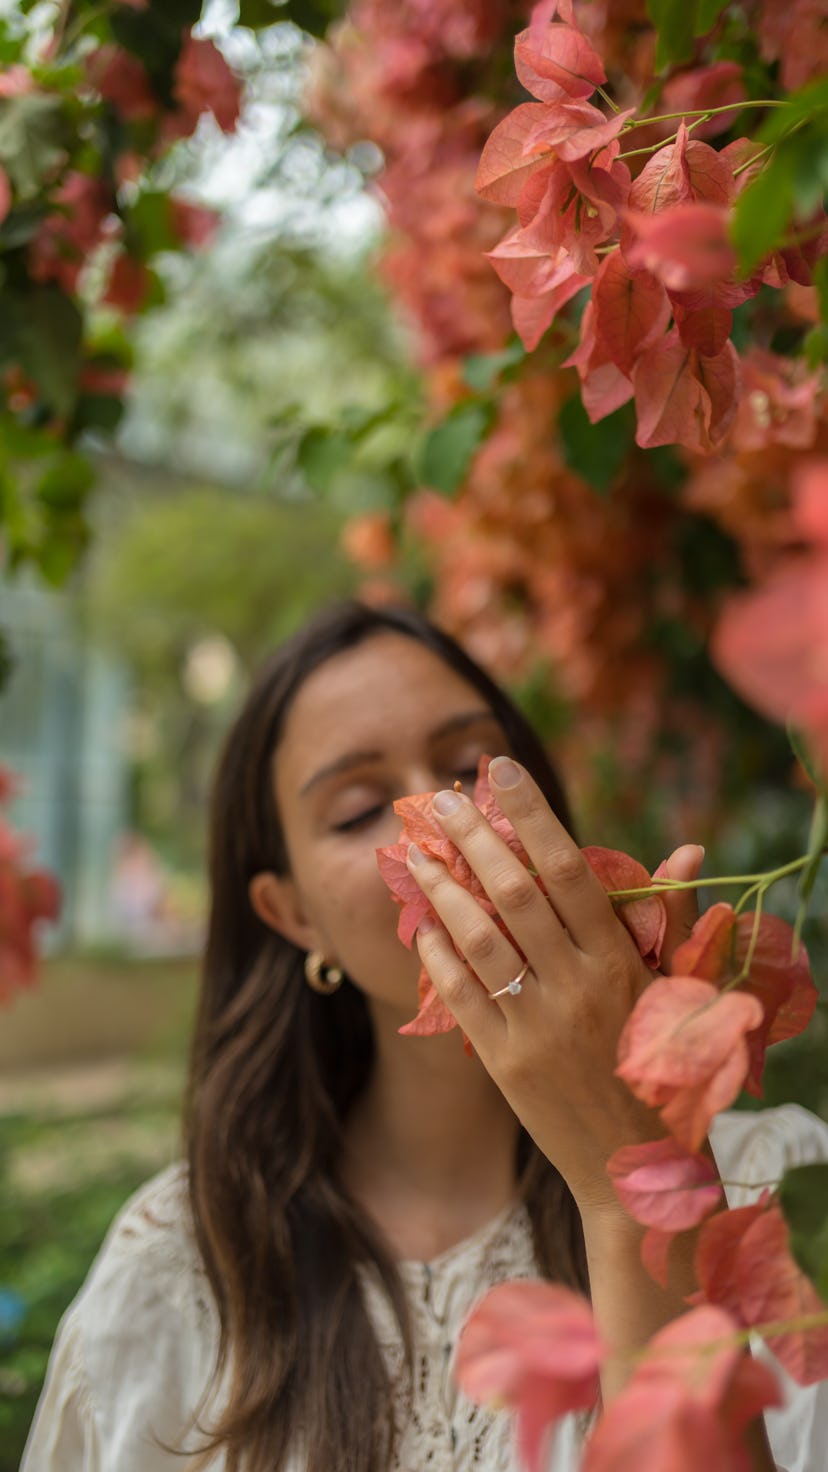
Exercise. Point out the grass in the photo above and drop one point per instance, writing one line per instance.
(76, 1139)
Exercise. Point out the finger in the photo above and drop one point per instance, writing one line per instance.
(462, 992)
(511, 888)
(682, 905)
(578, 897)
(486, 949)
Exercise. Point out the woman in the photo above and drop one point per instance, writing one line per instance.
(292, 1298)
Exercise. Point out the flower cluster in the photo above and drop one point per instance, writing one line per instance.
(89, 111)
(532, 568)
(654, 250)
(26, 896)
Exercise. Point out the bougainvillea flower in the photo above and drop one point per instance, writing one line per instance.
(129, 284)
(646, 919)
(744, 1263)
(528, 269)
(770, 642)
(780, 405)
(65, 239)
(667, 1190)
(604, 388)
(705, 87)
(662, 1185)
(704, 328)
(574, 206)
(193, 224)
(574, 130)
(532, 316)
(542, 284)
(687, 247)
(687, 1404)
(810, 501)
(683, 1050)
(631, 310)
(680, 172)
(123, 82)
(556, 62)
(420, 826)
(26, 896)
(781, 981)
(205, 83)
(535, 1348)
(504, 163)
(683, 398)
(9, 784)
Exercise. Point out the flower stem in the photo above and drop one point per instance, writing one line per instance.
(704, 112)
(763, 881)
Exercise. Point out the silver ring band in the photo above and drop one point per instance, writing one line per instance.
(515, 986)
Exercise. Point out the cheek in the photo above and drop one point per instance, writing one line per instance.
(349, 901)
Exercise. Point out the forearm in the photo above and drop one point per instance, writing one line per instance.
(630, 1307)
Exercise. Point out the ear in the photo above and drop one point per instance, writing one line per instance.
(276, 902)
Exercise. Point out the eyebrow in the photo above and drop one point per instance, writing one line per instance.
(357, 758)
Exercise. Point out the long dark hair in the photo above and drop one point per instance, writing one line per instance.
(275, 1070)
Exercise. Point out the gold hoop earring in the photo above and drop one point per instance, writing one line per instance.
(321, 978)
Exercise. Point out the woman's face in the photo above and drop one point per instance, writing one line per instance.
(370, 725)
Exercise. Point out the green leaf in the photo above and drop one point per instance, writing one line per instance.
(707, 14)
(149, 225)
(482, 370)
(32, 145)
(803, 754)
(809, 167)
(595, 452)
(49, 336)
(447, 450)
(60, 550)
(20, 225)
(313, 16)
(762, 215)
(259, 13)
(66, 483)
(805, 106)
(803, 1196)
(675, 23)
(322, 453)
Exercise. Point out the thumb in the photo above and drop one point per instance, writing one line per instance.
(682, 905)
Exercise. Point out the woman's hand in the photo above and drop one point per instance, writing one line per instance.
(552, 1048)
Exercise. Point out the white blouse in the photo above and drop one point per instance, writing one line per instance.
(135, 1351)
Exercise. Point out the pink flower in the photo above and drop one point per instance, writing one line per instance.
(205, 83)
(535, 1348)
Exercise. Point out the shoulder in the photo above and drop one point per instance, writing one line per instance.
(755, 1148)
(147, 1294)
(136, 1350)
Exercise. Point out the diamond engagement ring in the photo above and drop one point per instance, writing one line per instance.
(515, 986)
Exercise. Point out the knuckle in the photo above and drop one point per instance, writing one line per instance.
(480, 943)
(514, 890)
(564, 867)
(456, 986)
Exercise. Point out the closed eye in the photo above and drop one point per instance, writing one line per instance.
(360, 820)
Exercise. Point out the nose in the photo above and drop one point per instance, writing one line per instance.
(421, 778)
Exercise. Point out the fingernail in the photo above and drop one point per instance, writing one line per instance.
(701, 848)
(427, 923)
(504, 772)
(415, 855)
(446, 802)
